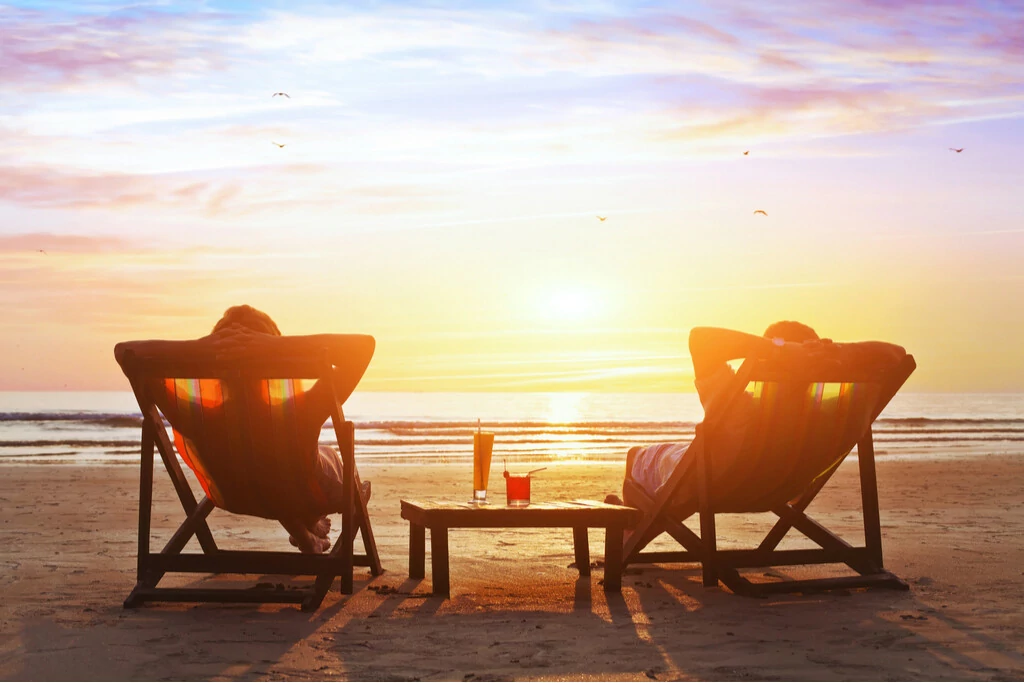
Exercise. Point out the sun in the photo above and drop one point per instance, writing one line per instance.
(570, 305)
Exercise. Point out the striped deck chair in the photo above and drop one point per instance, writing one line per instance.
(805, 421)
(243, 424)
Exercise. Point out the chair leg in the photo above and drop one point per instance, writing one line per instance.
(144, 579)
(349, 523)
(710, 560)
(181, 486)
(346, 551)
(639, 537)
(145, 501)
(316, 596)
(869, 498)
(366, 531)
(782, 527)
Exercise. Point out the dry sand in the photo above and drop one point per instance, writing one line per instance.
(953, 529)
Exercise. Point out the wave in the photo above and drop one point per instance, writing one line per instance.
(72, 443)
(97, 419)
(469, 426)
(26, 434)
(948, 420)
(407, 443)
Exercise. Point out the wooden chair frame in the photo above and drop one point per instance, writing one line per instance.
(660, 516)
(152, 566)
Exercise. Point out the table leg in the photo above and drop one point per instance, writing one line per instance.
(613, 559)
(439, 561)
(581, 546)
(417, 550)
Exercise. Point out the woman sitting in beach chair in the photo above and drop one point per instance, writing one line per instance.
(308, 533)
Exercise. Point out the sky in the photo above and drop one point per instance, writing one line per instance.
(444, 167)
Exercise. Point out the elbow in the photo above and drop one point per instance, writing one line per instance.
(698, 339)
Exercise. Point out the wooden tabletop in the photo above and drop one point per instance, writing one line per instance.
(543, 513)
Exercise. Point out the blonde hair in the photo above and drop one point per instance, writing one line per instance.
(248, 317)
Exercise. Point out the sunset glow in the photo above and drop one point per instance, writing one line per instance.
(443, 170)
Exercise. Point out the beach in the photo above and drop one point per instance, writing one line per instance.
(952, 528)
(773, 231)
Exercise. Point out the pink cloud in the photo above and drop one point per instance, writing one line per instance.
(46, 187)
(52, 188)
(1006, 38)
(214, 194)
(780, 61)
(44, 51)
(652, 26)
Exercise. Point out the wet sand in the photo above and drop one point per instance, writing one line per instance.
(953, 529)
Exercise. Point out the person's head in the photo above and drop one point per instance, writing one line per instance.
(249, 318)
(791, 331)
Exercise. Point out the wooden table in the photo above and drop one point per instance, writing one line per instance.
(441, 515)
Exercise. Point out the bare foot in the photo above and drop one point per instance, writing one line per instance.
(312, 538)
(313, 546)
(302, 538)
(321, 527)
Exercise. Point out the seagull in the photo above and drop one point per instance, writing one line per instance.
(282, 93)
(42, 251)
(746, 153)
(954, 149)
(759, 211)
(602, 218)
(277, 143)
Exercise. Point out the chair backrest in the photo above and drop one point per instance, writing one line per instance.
(801, 422)
(240, 416)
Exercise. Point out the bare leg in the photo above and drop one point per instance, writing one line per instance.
(311, 536)
(611, 498)
(630, 459)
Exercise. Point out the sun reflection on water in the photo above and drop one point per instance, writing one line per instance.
(564, 407)
(564, 411)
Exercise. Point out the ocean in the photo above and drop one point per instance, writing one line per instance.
(103, 428)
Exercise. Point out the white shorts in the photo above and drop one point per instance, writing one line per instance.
(654, 464)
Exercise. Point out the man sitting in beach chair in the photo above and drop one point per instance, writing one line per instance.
(774, 433)
(711, 350)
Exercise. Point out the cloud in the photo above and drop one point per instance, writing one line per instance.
(71, 51)
(119, 283)
(46, 187)
(653, 26)
(218, 193)
(887, 65)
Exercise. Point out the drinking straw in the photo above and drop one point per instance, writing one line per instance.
(536, 470)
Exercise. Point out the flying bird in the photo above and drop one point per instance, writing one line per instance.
(746, 153)
(602, 218)
(277, 143)
(282, 93)
(759, 211)
(42, 251)
(954, 149)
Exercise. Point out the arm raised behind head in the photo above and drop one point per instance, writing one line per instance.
(712, 347)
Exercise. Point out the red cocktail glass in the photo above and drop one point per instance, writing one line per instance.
(517, 490)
